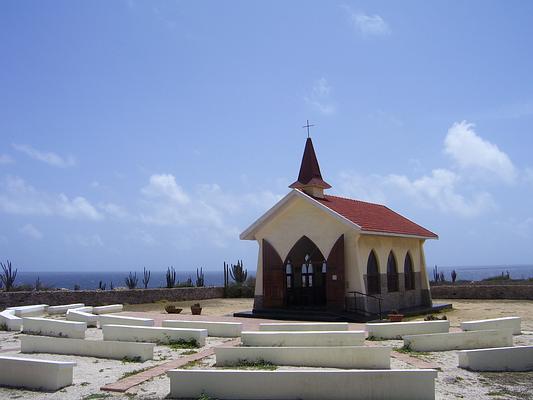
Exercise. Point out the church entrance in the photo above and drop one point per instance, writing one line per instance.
(305, 273)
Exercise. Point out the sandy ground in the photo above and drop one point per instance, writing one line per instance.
(452, 383)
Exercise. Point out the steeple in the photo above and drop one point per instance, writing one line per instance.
(310, 179)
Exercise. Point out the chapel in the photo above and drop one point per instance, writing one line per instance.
(328, 253)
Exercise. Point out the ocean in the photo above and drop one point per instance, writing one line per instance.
(90, 280)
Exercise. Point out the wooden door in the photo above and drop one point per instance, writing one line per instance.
(335, 290)
(273, 277)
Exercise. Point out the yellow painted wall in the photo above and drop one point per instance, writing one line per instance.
(382, 245)
(301, 218)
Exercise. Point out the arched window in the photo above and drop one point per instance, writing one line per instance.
(392, 274)
(289, 274)
(372, 274)
(409, 273)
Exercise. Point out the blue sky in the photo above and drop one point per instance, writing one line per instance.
(136, 133)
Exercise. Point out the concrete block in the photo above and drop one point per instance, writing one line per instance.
(303, 339)
(52, 327)
(121, 320)
(519, 358)
(152, 334)
(409, 384)
(87, 348)
(113, 308)
(512, 323)
(75, 315)
(42, 375)
(396, 330)
(459, 340)
(219, 329)
(12, 323)
(52, 310)
(304, 326)
(85, 309)
(360, 357)
(36, 310)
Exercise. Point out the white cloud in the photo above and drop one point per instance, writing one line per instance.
(46, 157)
(114, 210)
(320, 97)
(528, 175)
(18, 197)
(472, 152)
(6, 159)
(31, 231)
(439, 190)
(368, 25)
(165, 186)
(205, 213)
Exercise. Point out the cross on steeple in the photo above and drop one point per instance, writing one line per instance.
(307, 126)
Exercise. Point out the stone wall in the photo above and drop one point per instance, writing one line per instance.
(480, 291)
(98, 297)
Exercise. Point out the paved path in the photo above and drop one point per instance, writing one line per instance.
(127, 383)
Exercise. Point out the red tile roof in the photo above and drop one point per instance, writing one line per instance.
(374, 217)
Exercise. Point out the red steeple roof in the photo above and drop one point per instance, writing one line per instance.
(309, 170)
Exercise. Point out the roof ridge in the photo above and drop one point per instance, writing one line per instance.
(360, 201)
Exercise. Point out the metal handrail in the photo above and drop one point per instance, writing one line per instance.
(379, 299)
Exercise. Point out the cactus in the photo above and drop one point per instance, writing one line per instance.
(8, 275)
(171, 277)
(111, 286)
(146, 277)
(200, 281)
(238, 272)
(454, 276)
(131, 281)
(38, 284)
(435, 274)
(101, 285)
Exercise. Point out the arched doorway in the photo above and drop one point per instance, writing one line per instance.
(305, 273)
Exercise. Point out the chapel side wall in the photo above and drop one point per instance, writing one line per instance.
(382, 245)
(298, 219)
(258, 294)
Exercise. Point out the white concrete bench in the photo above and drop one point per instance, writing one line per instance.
(87, 348)
(360, 357)
(411, 384)
(80, 316)
(303, 339)
(152, 334)
(459, 340)
(396, 330)
(519, 358)
(86, 309)
(120, 320)
(220, 329)
(304, 326)
(53, 327)
(512, 323)
(62, 309)
(44, 375)
(113, 308)
(11, 322)
(30, 311)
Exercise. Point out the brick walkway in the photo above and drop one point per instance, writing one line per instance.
(134, 380)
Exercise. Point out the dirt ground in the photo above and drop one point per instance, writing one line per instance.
(452, 382)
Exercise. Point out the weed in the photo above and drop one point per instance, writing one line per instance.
(3, 327)
(192, 364)
(95, 396)
(407, 350)
(84, 384)
(257, 364)
(136, 359)
(134, 372)
(182, 344)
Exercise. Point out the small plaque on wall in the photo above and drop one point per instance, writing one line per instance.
(334, 277)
